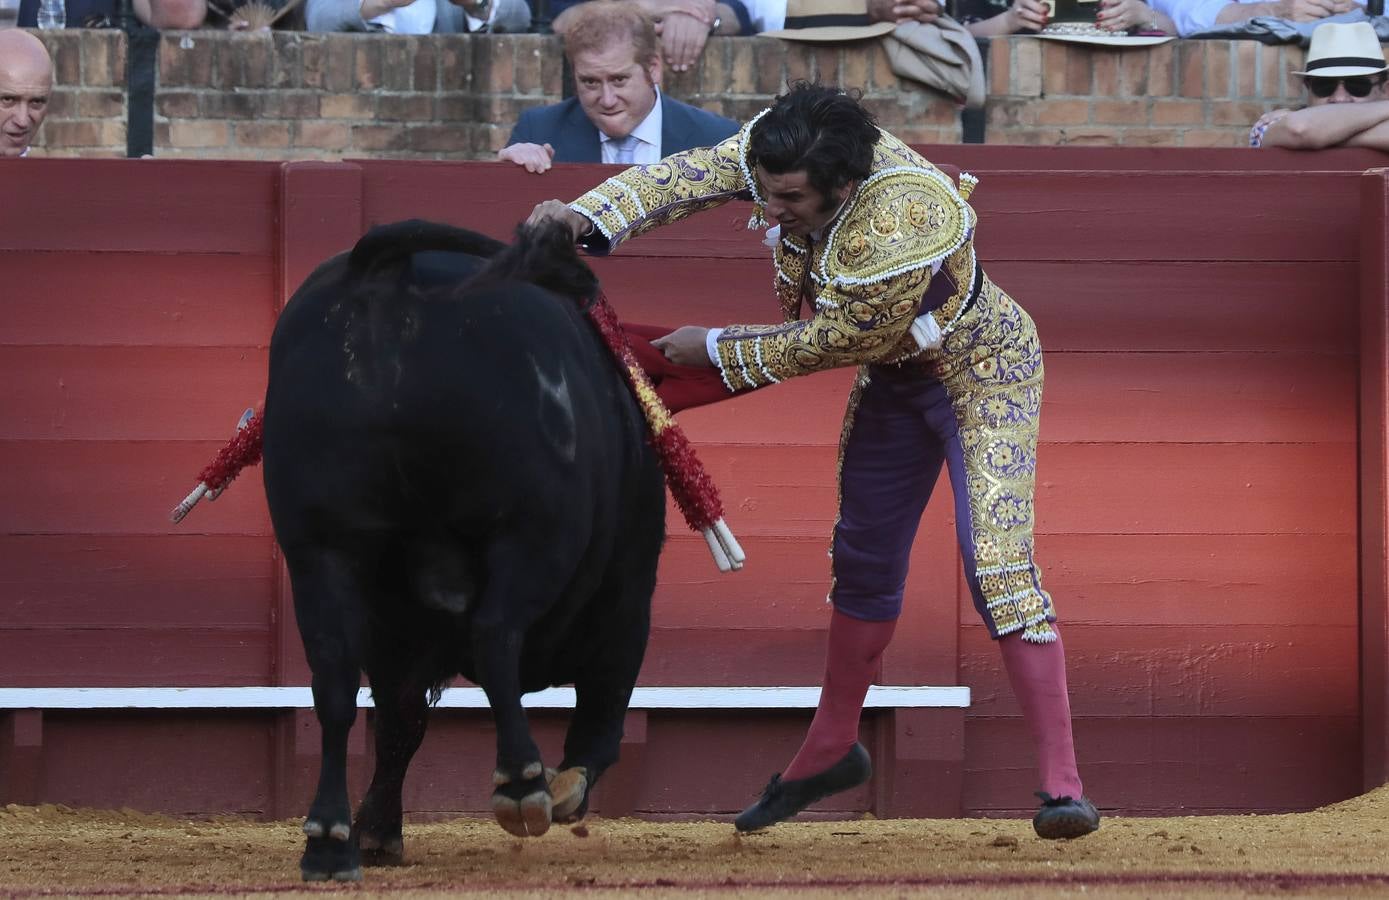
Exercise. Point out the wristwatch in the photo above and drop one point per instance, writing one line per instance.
(715, 26)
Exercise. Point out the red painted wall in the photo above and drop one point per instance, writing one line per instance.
(1207, 446)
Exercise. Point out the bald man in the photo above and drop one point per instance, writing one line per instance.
(26, 80)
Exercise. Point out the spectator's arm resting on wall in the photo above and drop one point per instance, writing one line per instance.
(534, 158)
(510, 16)
(1331, 125)
(346, 15)
(1122, 15)
(899, 11)
(1376, 138)
(1292, 10)
(733, 18)
(703, 10)
(682, 38)
(1023, 14)
(527, 146)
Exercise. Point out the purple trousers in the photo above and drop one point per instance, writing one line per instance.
(904, 428)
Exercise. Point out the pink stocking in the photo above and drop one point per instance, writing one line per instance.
(851, 663)
(1038, 675)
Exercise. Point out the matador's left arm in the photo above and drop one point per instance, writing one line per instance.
(641, 198)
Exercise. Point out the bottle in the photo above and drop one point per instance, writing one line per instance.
(52, 14)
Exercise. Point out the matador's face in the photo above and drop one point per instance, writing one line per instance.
(794, 204)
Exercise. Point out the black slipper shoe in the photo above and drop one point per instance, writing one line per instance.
(783, 799)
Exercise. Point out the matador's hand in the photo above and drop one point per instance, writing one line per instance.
(560, 212)
(685, 346)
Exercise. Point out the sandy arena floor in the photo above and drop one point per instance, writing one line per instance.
(1338, 851)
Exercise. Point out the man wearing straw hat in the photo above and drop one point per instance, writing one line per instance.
(1346, 103)
(875, 268)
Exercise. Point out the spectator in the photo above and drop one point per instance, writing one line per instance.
(1197, 16)
(842, 20)
(166, 15)
(26, 80)
(683, 25)
(620, 114)
(1114, 15)
(1346, 103)
(922, 44)
(991, 18)
(418, 16)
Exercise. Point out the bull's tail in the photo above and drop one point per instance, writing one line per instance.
(543, 255)
(388, 246)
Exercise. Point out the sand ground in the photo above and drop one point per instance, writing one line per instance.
(1338, 851)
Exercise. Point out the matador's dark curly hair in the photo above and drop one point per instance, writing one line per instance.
(819, 130)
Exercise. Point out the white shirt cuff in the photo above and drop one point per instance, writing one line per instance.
(711, 340)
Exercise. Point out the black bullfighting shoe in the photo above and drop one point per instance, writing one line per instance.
(783, 799)
(1062, 818)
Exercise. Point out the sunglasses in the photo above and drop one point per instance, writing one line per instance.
(1356, 86)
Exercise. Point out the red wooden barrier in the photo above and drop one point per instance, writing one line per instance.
(1200, 500)
(1374, 469)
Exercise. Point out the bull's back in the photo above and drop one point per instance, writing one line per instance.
(388, 402)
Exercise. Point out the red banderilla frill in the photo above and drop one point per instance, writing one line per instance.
(241, 451)
(689, 483)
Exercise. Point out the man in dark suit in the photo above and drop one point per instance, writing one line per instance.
(619, 114)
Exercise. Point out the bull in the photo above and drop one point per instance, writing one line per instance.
(461, 484)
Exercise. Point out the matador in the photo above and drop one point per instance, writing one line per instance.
(873, 248)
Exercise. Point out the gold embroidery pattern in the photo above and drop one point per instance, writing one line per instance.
(646, 197)
(960, 266)
(996, 391)
(854, 324)
(869, 286)
(868, 274)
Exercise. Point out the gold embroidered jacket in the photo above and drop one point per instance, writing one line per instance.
(868, 275)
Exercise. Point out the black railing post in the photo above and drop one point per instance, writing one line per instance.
(541, 20)
(141, 57)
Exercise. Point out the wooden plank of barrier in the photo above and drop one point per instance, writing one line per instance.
(1154, 222)
(320, 206)
(1109, 216)
(984, 158)
(1374, 472)
(21, 756)
(145, 206)
(320, 215)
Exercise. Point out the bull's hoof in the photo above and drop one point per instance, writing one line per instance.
(528, 817)
(340, 875)
(568, 789)
(377, 851)
(330, 854)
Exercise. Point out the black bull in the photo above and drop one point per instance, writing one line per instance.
(461, 483)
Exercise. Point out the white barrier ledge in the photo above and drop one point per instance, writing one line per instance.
(889, 697)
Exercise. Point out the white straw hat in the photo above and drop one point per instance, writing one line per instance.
(1343, 49)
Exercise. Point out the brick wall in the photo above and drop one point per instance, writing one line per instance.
(292, 95)
(1178, 94)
